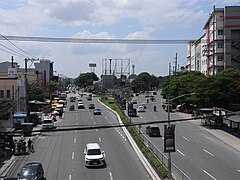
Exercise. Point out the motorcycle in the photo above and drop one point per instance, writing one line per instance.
(155, 108)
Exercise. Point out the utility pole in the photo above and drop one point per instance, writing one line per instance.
(26, 89)
(26, 93)
(169, 69)
(175, 67)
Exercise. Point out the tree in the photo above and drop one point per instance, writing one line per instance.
(52, 87)
(86, 79)
(35, 92)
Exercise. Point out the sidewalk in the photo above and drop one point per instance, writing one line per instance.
(224, 136)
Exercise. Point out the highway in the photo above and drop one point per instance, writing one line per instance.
(61, 153)
(199, 154)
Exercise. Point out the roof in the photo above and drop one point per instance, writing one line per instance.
(234, 118)
(19, 115)
(93, 146)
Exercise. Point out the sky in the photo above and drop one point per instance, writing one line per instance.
(103, 19)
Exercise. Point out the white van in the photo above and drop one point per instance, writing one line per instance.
(48, 123)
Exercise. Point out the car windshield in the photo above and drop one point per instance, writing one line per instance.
(47, 121)
(94, 152)
(28, 172)
(155, 129)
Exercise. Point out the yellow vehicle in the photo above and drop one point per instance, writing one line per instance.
(167, 106)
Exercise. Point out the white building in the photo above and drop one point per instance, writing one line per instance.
(219, 47)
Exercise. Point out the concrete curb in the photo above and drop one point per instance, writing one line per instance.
(140, 155)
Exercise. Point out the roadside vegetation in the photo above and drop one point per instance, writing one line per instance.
(109, 101)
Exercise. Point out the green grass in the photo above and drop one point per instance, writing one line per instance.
(145, 150)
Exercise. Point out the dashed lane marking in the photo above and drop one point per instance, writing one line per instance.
(180, 152)
(75, 140)
(208, 152)
(100, 140)
(70, 177)
(72, 155)
(208, 174)
(111, 177)
(185, 138)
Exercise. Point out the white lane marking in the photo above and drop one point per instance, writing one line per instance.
(72, 155)
(97, 130)
(185, 138)
(100, 140)
(111, 177)
(92, 117)
(208, 152)
(238, 170)
(76, 131)
(209, 174)
(180, 152)
(141, 117)
(70, 177)
(94, 122)
(74, 141)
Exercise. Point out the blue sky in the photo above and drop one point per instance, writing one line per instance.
(130, 19)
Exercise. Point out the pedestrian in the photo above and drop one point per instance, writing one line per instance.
(30, 145)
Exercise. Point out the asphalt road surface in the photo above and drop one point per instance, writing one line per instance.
(61, 153)
(199, 154)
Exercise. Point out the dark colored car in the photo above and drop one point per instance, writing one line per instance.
(97, 112)
(72, 108)
(153, 131)
(91, 106)
(33, 170)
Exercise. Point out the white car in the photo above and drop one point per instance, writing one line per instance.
(144, 105)
(140, 109)
(48, 123)
(94, 156)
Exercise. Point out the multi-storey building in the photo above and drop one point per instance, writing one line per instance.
(219, 47)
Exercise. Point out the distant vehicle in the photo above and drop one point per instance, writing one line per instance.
(80, 105)
(140, 109)
(89, 98)
(91, 106)
(153, 131)
(134, 101)
(97, 112)
(154, 93)
(72, 108)
(48, 123)
(144, 105)
(79, 99)
(94, 156)
(33, 170)
(72, 99)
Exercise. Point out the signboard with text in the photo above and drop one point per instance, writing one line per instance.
(169, 138)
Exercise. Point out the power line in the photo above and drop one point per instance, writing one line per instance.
(11, 51)
(5, 38)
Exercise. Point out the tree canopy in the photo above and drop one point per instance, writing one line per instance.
(220, 90)
(86, 79)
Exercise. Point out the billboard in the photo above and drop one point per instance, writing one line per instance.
(169, 138)
(92, 65)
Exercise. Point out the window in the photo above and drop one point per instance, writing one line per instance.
(1, 93)
(220, 58)
(220, 45)
(220, 31)
(8, 93)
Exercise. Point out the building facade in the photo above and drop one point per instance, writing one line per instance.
(219, 47)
